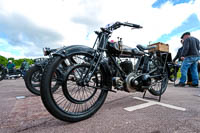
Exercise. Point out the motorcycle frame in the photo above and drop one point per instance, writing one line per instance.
(101, 42)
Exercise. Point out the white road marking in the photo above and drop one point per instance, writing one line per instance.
(144, 105)
(198, 95)
(150, 103)
(20, 97)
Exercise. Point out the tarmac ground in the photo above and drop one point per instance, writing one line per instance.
(178, 112)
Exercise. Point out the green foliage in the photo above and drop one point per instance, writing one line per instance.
(17, 62)
(3, 60)
(179, 74)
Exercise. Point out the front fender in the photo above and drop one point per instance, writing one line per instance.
(73, 49)
(42, 62)
(106, 70)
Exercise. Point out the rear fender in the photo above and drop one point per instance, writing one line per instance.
(42, 63)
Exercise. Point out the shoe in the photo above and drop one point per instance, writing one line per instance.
(180, 85)
(189, 83)
(194, 85)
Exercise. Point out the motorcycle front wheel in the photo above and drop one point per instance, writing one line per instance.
(32, 79)
(74, 101)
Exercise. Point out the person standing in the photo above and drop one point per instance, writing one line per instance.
(178, 56)
(11, 67)
(24, 67)
(190, 56)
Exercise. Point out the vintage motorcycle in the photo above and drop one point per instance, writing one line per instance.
(33, 75)
(9, 74)
(2, 72)
(107, 67)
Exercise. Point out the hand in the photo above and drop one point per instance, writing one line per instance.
(182, 58)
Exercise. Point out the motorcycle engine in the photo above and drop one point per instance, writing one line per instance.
(127, 66)
(137, 82)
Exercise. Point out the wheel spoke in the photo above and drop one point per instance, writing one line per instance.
(79, 98)
(75, 98)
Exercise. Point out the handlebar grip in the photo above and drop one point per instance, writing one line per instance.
(132, 25)
(136, 26)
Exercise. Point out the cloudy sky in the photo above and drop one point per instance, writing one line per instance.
(26, 26)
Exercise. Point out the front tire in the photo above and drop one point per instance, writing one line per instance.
(69, 107)
(32, 79)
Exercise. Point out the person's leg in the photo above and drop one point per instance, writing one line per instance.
(194, 72)
(189, 77)
(184, 68)
(198, 67)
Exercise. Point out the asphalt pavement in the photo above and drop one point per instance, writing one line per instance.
(178, 112)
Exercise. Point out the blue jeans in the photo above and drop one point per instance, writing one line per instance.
(190, 62)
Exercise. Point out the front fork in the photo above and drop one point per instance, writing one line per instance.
(93, 67)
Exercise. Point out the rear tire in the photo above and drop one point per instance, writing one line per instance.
(159, 85)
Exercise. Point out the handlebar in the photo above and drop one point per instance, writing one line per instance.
(116, 25)
(131, 25)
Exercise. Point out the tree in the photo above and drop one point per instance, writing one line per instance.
(17, 62)
(3, 60)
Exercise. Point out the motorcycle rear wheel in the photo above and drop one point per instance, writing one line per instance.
(159, 85)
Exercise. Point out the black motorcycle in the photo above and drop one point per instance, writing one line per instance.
(2, 72)
(9, 74)
(107, 67)
(33, 76)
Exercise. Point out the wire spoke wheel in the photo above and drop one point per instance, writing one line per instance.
(77, 93)
(158, 87)
(32, 79)
(74, 100)
(35, 79)
(159, 83)
(74, 97)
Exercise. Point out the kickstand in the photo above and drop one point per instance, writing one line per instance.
(159, 98)
(160, 95)
(145, 94)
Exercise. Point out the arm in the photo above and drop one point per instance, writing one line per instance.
(14, 67)
(178, 55)
(175, 58)
(198, 43)
(185, 48)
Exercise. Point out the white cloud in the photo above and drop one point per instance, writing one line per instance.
(57, 15)
(174, 42)
(174, 45)
(196, 34)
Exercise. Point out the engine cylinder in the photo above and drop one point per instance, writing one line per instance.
(127, 66)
